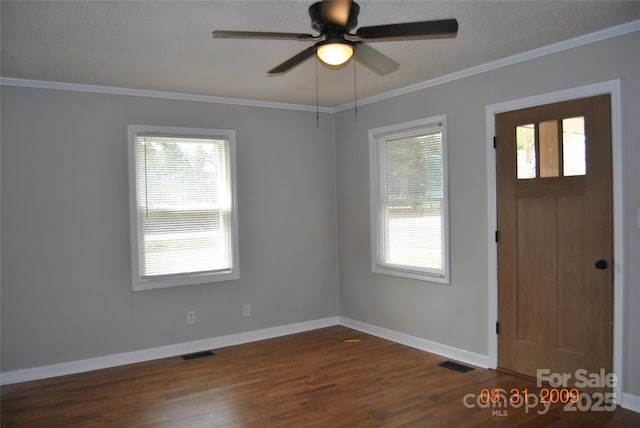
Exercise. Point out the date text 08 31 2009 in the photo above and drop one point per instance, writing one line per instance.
(571, 398)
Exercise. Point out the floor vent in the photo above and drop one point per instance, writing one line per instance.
(455, 366)
(198, 355)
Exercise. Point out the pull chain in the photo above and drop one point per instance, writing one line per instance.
(317, 102)
(355, 92)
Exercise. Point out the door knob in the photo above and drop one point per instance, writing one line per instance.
(601, 264)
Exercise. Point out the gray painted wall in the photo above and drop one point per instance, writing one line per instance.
(457, 315)
(66, 290)
(66, 281)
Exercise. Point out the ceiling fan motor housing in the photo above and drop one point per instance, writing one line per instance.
(321, 25)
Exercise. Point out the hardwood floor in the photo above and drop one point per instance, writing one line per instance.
(333, 377)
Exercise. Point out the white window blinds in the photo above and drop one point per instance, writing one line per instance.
(184, 216)
(409, 209)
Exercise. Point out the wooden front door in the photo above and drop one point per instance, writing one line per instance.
(555, 250)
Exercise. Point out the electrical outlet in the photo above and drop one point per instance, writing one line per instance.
(246, 310)
(191, 317)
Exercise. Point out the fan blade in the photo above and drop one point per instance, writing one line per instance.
(444, 28)
(336, 12)
(223, 34)
(375, 60)
(293, 61)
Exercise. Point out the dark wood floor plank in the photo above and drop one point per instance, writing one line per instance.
(333, 377)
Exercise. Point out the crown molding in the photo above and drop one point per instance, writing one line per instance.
(114, 90)
(583, 40)
(586, 39)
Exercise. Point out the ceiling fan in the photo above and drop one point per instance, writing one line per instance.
(335, 45)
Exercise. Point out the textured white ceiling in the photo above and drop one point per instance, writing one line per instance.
(167, 45)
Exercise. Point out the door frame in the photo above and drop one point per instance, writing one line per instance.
(612, 88)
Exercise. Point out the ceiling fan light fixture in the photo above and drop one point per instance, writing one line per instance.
(335, 53)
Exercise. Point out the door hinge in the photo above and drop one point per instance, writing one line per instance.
(497, 236)
(494, 142)
(497, 327)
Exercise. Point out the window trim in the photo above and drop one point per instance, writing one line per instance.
(398, 130)
(138, 283)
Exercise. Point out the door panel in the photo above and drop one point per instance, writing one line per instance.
(536, 279)
(571, 296)
(555, 222)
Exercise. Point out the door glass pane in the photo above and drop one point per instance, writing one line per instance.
(526, 151)
(573, 147)
(549, 152)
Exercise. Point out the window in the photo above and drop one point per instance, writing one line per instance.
(553, 148)
(409, 220)
(182, 206)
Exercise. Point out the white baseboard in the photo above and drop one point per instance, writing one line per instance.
(97, 363)
(419, 343)
(104, 362)
(630, 402)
